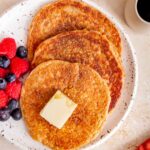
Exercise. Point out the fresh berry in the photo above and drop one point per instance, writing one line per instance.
(3, 84)
(13, 104)
(10, 77)
(3, 99)
(13, 89)
(8, 47)
(19, 66)
(4, 62)
(22, 52)
(145, 145)
(4, 114)
(16, 114)
(3, 72)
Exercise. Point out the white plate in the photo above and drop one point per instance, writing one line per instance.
(15, 23)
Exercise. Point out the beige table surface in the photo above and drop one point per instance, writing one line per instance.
(136, 128)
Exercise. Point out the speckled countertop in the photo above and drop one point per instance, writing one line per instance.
(136, 128)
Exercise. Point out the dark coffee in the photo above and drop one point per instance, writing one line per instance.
(143, 8)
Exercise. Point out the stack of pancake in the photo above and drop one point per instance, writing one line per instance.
(76, 49)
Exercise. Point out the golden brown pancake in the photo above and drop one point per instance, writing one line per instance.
(68, 15)
(80, 83)
(86, 47)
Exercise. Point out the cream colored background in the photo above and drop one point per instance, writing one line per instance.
(136, 128)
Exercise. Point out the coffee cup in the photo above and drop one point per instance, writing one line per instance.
(137, 14)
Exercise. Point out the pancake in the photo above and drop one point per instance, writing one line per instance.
(68, 15)
(86, 47)
(80, 83)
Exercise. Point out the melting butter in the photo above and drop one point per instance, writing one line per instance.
(58, 110)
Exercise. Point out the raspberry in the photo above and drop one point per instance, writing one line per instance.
(13, 89)
(19, 66)
(145, 145)
(141, 147)
(3, 99)
(8, 47)
(3, 72)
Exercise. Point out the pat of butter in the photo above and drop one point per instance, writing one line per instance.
(58, 110)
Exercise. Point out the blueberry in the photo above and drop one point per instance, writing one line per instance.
(4, 114)
(4, 62)
(22, 52)
(16, 114)
(3, 84)
(10, 77)
(13, 104)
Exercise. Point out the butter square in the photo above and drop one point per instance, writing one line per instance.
(58, 110)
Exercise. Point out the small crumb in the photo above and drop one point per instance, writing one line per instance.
(2, 131)
(108, 131)
(12, 33)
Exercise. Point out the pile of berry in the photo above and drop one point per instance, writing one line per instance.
(13, 65)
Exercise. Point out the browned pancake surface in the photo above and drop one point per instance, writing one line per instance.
(80, 83)
(68, 15)
(86, 47)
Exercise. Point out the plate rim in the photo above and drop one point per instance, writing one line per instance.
(135, 65)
